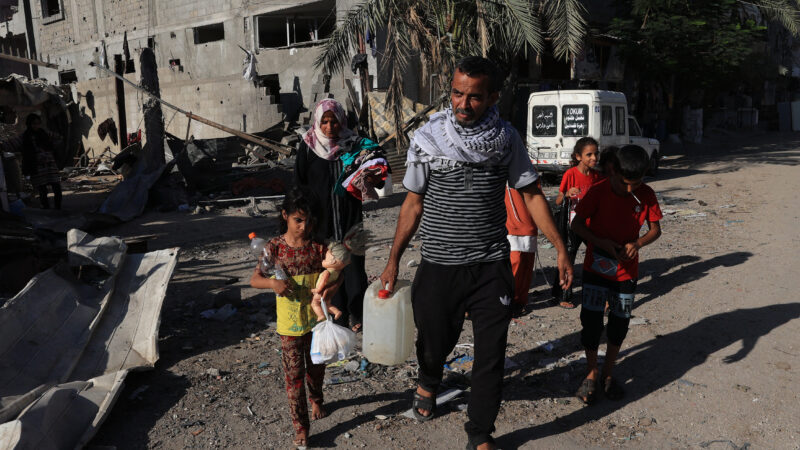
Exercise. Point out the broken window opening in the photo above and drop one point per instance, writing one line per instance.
(52, 10)
(209, 33)
(271, 85)
(51, 7)
(175, 64)
(275, 30)
(67, 76)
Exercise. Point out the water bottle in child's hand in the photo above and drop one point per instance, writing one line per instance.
(266, 264)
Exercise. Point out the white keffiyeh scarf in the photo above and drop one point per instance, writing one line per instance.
(486, 142)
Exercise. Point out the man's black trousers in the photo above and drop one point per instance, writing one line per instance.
(440, 296)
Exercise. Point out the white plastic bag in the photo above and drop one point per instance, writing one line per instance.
(330, 342)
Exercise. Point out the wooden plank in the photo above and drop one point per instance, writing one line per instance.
(27, 61)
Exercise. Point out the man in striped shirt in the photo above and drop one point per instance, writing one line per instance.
(458, 166)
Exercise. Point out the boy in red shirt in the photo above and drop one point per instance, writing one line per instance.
(616, 209)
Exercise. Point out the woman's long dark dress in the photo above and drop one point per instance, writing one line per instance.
(339, 214)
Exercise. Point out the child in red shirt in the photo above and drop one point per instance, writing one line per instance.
(609, 219)
(522, 232)
(574, 185)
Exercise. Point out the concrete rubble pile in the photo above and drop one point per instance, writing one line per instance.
(70, 337)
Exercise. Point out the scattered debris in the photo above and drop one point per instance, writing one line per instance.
(547, 346)
(220, 314)
(733, 446)
(685, 382)
(639, 321)
(460, 364)
(341, 380)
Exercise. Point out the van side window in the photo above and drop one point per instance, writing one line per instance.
(575, 120)
(621, 120)
(606, 118)
(544, 120)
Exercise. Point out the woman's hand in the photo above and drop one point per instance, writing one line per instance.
(573, 192)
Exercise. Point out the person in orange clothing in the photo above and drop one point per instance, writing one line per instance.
(522, 234)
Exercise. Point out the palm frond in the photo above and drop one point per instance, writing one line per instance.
(522, 18)
(785, 12)
(566, 25)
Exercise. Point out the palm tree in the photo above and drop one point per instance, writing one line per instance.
(442, 31)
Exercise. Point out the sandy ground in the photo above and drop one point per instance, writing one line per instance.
(711, 360)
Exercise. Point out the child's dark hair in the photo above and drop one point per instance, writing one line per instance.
(579, 146)
(631, 162)
(607, 156)
(299, 199)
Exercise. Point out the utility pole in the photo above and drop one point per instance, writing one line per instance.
(119, 89)
(153, 116)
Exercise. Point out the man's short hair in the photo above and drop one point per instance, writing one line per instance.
(475, 65)
(631, 162)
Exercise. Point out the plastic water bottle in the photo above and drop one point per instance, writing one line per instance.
(268, 268)
(258, 248)
(257, 245)
(388, 323)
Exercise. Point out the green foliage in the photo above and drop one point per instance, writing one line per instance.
(701, 43)
(442, 31)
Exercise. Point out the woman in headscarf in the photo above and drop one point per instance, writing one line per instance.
(328, 155)
(38, 161)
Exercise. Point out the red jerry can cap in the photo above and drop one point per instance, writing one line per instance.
(384, 294)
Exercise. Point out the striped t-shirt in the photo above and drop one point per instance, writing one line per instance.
(464, 213)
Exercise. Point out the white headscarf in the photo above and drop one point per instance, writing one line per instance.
(323, 146)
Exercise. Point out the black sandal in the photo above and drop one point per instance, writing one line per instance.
(425, 404)
(612, 390)
(587, 392)
(474, 441)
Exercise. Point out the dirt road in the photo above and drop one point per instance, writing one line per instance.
(712, 359)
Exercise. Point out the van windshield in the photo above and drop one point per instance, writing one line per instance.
(575, 120)
(544, 120)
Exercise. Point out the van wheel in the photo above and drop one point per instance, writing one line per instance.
(653, 170)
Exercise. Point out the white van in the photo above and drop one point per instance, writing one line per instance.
(557, 119)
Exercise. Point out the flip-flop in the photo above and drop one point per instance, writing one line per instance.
(587, 392)
(567, 305)
(473, 442)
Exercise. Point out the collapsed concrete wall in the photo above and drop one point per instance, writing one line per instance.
(197, 48)
(231, 101)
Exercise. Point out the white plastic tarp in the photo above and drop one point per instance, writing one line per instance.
(67, 342)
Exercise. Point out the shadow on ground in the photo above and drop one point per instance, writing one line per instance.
(654, 364)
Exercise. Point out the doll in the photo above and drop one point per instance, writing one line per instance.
(336, 259)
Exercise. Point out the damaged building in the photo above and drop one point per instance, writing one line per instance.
(199, 47)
